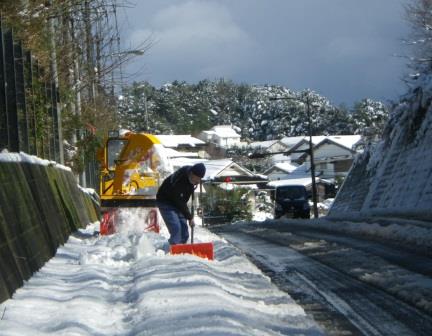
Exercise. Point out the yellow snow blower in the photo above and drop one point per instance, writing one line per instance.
(131, 165)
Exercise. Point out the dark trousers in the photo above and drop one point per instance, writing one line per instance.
(175, 222)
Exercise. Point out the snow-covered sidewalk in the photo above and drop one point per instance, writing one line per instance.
(125, 284)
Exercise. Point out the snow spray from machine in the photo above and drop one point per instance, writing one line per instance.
(133, 165)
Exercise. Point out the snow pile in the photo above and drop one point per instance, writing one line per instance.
(125, 284)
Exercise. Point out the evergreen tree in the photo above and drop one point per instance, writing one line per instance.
(182, 108)
(369, 118)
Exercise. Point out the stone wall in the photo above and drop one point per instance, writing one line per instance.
(395, 177)
(41, 205)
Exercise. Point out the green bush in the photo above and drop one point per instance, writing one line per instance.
(226, 205)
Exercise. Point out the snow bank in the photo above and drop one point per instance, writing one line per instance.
(125, 284)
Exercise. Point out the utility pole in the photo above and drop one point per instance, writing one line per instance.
(312, 161)
(310, 151)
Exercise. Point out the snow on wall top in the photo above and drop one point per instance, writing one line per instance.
(23, 157)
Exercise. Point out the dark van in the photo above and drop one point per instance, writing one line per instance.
(291, 201)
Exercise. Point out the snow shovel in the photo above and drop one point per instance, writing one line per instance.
(203, 250)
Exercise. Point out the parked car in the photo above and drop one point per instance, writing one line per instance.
(291, 201)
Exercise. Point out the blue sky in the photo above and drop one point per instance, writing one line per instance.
(346, 50)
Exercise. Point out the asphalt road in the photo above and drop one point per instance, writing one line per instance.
(327, 272)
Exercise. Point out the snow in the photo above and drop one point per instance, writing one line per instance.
(262, 144)
(289, 182)
(224, 131)
(348, 141)
(172, 153)
(291, 141)
(393, 178)
(175, 141)
(287, 167)
(408, 234)
(23, 157)
(214, 167)
(125, 284)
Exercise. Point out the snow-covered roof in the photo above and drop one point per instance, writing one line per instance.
(178, 162)
(301, 171)
(224, 167)
(291, 141)
(278, 158)
(305, 181)
(286, 167)
(262, 144)
(224, 131)
(174, 140)
(348, 141)
(172, 153)
(214, 168)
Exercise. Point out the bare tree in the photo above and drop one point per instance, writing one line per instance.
(79, 40)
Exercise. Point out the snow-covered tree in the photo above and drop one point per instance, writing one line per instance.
(179, 107)
(369, 118)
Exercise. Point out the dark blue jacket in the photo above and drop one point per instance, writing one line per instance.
(176, 190)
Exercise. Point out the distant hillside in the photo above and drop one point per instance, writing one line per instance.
(182, 108)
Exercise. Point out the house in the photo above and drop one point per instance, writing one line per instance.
(333, 155)
(280, 171)
(223, 136)
(271, 146)
(284, 144)
(221, 171)
(227, 171)
(182, 146)
(262, 145)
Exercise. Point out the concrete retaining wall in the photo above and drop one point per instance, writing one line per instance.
(41, 205)
(395, 178)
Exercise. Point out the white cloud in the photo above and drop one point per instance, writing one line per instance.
(198, 33)
(363, 47)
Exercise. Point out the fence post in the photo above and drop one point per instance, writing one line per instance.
(50, 115)
(56, 121)
(31, 107)
(11, 102)
(4, 130)
(23, 122)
